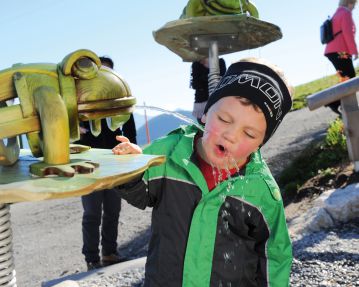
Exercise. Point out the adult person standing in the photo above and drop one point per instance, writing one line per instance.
(342, 49)
(102, 208)
(199, 82)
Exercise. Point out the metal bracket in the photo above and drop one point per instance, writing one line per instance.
(225, 42)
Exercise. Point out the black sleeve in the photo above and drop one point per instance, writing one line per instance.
(135, 193)
(196, 81)
(222, 67)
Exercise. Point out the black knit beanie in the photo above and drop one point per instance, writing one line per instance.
(259, 84)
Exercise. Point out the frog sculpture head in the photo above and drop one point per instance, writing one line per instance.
(53, 100)
(195, 8)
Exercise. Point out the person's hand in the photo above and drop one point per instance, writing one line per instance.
(125, 147)
(83, 130)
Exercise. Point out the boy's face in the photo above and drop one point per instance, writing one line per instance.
(233, 130)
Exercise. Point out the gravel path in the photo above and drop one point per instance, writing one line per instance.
(325, 258)
(47, 234)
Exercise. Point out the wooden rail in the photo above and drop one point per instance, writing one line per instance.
(347, 93)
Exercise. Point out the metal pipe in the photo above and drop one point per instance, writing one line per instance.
(213, 62)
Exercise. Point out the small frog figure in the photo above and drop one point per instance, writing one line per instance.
(195, 8)
(53, 100)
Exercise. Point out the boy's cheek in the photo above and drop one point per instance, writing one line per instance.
(213, 130)
(243, 150)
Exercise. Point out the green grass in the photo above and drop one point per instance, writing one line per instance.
(301, 92)
(318, 157)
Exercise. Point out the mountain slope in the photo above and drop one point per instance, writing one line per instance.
(161, 125)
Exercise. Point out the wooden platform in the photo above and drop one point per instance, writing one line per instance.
(189, 38)
(17, 185)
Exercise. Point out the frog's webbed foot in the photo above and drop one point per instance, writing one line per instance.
(78, 148)
(66, 170)
(9, 153)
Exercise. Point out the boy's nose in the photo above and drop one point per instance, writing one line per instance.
(230, 136)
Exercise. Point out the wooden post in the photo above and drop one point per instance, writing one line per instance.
(350, 119)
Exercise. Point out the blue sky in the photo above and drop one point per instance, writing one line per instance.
(46, 30)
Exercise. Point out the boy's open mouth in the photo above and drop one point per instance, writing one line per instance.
(221, 149)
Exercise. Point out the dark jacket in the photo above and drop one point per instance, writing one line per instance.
(235, 235)
(199, 79)
(107, 138)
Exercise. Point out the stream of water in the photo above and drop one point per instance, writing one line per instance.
(175, 114)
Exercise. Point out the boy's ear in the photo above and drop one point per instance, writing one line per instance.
(203, 118)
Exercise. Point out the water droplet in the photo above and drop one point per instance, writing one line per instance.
(228, 173)
(226, 226)
(224, 213)
(220, 179)
(226, 257)
(214, 174)
(235, 164)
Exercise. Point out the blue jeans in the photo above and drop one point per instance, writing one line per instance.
(102, 205)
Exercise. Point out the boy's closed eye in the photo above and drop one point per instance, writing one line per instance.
(250, 134)
(224, 120)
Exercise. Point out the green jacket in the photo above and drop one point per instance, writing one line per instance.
(235, 235)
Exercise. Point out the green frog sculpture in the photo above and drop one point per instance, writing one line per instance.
(53, 100)
(195, 8)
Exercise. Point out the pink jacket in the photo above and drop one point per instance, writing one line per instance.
(342, 20)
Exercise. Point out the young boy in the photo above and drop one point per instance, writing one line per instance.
(218, 218)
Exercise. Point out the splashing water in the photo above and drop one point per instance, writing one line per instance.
(241, 178)
(175, 114)
(229, 177)
(225, 216)
(227, 256)
(235, 164)
(215, 170)
(223, 197)
(243, 209)
(214, 174)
